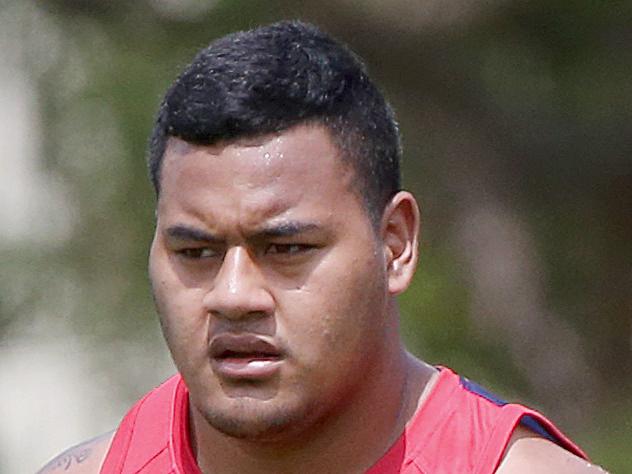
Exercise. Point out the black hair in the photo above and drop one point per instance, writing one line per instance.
(272, 78)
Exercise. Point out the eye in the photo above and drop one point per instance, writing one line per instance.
(288, 249)
(197, 253)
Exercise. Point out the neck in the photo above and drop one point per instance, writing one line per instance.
(350, 440)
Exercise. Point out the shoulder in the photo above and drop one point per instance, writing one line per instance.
(528, 453)
(84, 458)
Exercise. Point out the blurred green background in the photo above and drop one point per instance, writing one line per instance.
(517, 126)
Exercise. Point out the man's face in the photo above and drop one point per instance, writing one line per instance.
(269, 280)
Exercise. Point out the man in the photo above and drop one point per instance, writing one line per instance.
(282, 240)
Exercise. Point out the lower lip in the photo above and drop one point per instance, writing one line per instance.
(247, 368)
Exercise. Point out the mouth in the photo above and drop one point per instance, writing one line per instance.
(245, 356)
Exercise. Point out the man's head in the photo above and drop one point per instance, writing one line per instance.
(272, 78)
(275, 286)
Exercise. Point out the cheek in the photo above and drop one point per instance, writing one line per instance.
(338, 313)
(182, 321)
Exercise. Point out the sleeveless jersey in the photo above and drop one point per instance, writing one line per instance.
(460, 428)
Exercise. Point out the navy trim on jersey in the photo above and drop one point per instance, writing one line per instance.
(527, 421)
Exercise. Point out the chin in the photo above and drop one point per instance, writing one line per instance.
(250, 419)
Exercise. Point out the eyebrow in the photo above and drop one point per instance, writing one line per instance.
(287, 229)
(282, 229)
(183, 232)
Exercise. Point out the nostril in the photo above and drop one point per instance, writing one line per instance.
(254, 303)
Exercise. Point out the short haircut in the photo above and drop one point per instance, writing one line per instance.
(272, 78)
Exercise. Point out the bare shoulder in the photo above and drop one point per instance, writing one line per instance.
(528, 453)
(84, 458)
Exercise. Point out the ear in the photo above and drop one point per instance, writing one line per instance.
(400, 237)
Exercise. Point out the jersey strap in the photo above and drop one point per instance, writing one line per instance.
(462, 428)
(153, 437)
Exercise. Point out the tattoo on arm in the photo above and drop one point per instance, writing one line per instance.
(77, 455)
(64, 461)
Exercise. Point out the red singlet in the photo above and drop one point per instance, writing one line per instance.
(460, 428)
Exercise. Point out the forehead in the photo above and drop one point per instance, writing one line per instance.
(265, 175)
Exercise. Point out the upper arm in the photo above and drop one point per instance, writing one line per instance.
(84, 458)
(528, 453)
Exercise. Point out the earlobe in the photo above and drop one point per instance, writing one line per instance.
(400, 234)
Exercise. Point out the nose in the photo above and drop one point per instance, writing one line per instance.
(239, 289)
